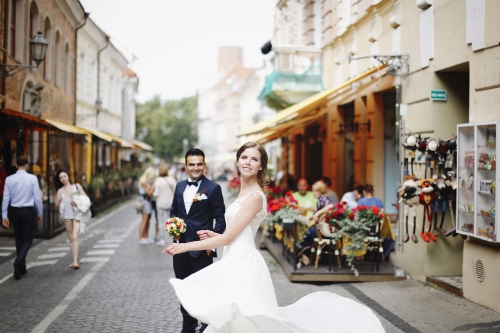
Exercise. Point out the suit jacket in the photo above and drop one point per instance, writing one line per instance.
(202, 213)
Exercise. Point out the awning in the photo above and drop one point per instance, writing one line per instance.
(66, 127)
(25, 116)
(99, 134)
(303, 107)
(141, 145)
(124, 143)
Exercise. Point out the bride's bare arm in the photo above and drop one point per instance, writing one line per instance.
(250, 208)
(204, 234)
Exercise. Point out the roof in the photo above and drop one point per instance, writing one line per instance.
(128, 72)
(235, 74)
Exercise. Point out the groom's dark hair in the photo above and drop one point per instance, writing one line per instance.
(194, 152)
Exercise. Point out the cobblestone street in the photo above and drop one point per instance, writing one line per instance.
(123, 287)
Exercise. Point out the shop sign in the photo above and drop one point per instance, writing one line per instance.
(438, 95)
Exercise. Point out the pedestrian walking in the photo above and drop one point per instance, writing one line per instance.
(146, 188)
(163, 191)
(70, 215)
(22, 205)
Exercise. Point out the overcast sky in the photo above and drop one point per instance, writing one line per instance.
(176, 41)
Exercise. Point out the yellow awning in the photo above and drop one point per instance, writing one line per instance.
(303, 106)
(67, 127)
(123, 143)
(99, 134)
(141, 145)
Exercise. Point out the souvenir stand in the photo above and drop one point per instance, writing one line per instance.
(477, 175)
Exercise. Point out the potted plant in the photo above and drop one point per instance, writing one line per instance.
(353, 226)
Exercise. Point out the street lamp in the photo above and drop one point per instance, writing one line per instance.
(38, 47)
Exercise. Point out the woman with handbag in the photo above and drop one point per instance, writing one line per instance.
(70, 215)
(164, 187)
(146, 188)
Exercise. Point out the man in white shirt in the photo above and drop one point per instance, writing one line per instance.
(22, 206)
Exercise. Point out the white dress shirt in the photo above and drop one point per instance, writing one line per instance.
(189, 194)
(21, 190)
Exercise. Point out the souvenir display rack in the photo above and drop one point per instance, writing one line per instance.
(476, 182)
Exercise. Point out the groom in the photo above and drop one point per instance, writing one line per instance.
(198, 201)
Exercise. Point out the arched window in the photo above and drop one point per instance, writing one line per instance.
(58, 61)
(47, 63)
(34, 26)
(67, 64)
(82, 78)
(16, 25)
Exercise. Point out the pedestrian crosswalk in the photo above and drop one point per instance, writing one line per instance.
(6, 251)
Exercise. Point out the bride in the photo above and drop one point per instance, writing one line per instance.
(236, 294)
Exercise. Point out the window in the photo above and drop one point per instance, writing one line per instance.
(34, 26)
(16, 29)
(67, 64)
(47, 63)
(82, 78)
(285, 62)
(58, 61)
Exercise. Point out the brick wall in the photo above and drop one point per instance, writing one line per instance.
(56, 102)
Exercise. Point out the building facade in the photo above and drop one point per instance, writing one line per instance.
(36, 101)
(100, 69)
(381, 61)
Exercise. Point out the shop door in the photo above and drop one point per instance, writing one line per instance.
(391, 171)
(313, 155)
(348, 118)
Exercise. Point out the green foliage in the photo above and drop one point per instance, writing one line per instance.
(97, 182)
(168, 123)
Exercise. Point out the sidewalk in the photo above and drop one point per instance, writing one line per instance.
(402, 306)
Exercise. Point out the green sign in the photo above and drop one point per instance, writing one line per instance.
(438, 95)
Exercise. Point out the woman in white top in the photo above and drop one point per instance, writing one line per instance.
(164, 187)
(69, 213)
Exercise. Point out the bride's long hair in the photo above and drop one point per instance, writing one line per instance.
(262, 174)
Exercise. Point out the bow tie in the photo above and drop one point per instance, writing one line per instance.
(195, 183)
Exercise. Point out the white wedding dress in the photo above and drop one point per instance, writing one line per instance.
(236, 295)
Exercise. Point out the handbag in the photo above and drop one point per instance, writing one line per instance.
(139, 205)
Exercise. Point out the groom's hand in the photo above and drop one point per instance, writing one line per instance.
(206, 234)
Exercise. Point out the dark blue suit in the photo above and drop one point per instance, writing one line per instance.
(201, 216)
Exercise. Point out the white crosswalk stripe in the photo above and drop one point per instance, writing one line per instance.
(7, 248)
(59, 248)
(103, 246)
(52, 255)
(110, 240)
(94, 259)
(41, 263)
(100, 252)
(5, 254)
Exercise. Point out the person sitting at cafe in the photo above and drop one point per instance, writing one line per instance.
(306, 200)
(319, 192)
(369, 200)
(330, 194)
(351, 198)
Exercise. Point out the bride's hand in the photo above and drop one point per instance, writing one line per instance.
(206, 234)
(175, 248)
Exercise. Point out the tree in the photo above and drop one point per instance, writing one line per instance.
(167, 124)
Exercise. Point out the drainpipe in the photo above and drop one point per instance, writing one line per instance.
(85, 17)
(5, 45)
(98, 100)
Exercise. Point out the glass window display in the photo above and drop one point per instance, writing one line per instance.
(476, 202)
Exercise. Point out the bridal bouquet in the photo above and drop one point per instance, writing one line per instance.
(175, 226)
